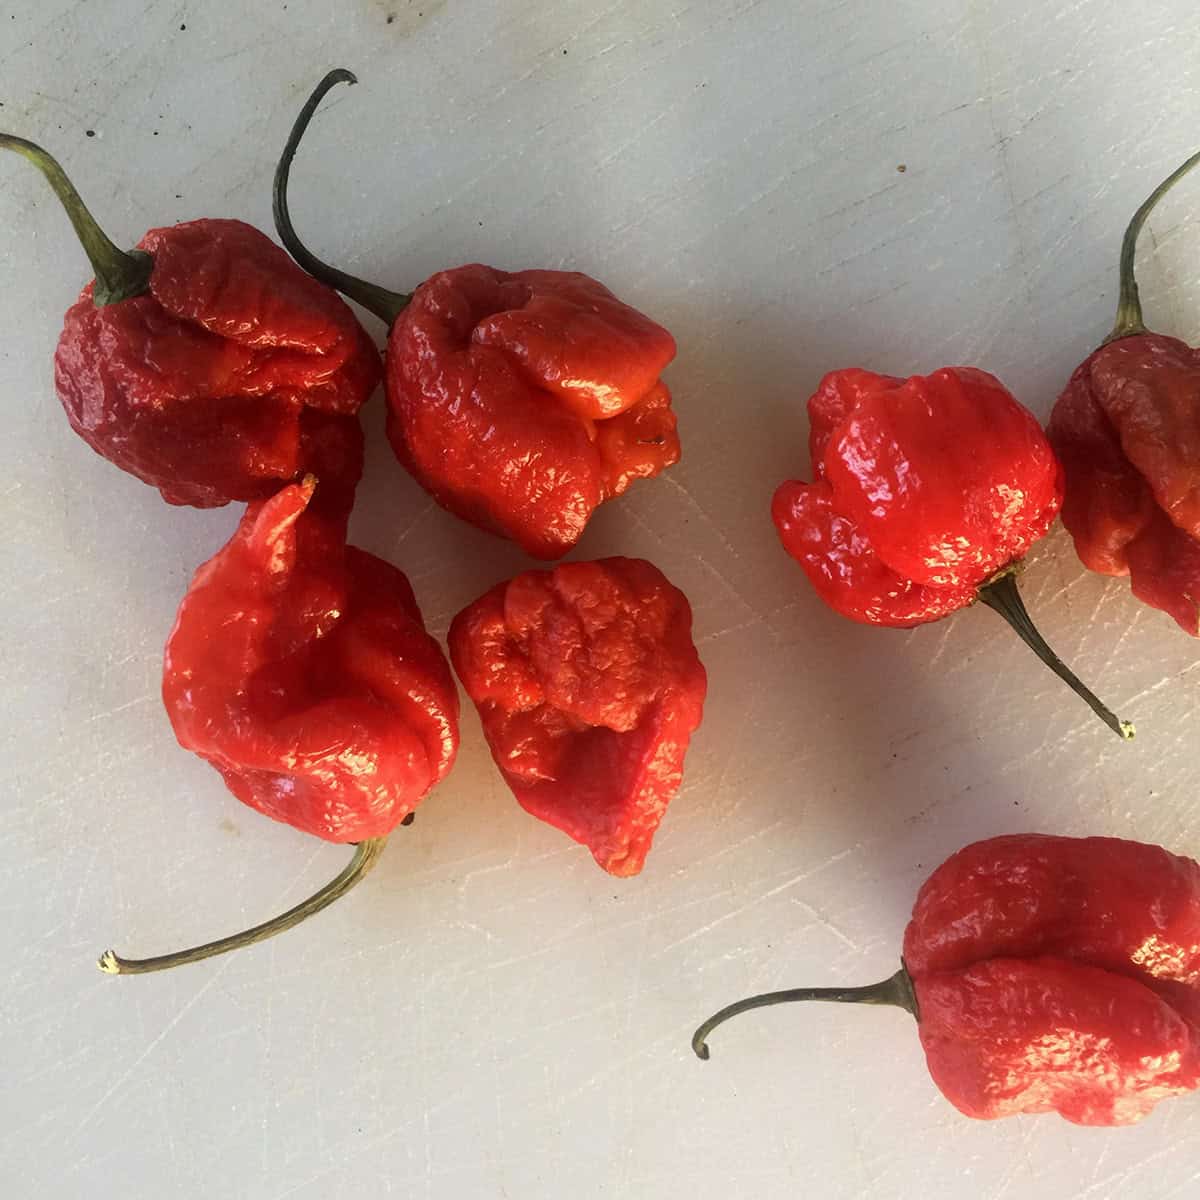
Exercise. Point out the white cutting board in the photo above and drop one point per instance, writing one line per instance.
(489, 1015)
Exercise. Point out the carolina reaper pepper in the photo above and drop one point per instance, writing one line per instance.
(927, 493)
(589, 688)
(206, 363)
(519, 400)
(300, 668)
(1127, 428)
(1047, 974)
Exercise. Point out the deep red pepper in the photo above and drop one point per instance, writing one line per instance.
(589, 689)
(927, 493)
(300, 668)
(519, 400)
(1048, 974)
(1127, 428)
(206, 363)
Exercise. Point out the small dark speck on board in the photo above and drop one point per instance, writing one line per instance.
(902, 167)
(90, 132)
(182, 28)
(391, 18)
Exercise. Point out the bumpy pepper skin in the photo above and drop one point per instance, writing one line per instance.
(923, 489)
(1127, 428)
(1012, 1036)
(233, 374)
(1059, 974)
(300, 668)
(523, 401)
(589, 687)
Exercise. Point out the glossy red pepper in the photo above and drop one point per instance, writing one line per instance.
(926, 494)
(206, 363)
(1048, 974)
(519, 400)
(300, 668)
(1127, 428)
(589, 689)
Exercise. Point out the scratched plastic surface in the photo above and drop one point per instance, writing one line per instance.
(489, 1015)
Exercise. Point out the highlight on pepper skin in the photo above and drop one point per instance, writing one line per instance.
(519, 400)
(207, 364)
(1127, 431)
(589, 687)
(1047, 974)
(300, 668)
(926, 495)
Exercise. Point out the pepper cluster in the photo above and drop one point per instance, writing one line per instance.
(209, 364)
(1045, 973)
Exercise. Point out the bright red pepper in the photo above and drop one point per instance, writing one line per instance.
(1048, 974)
(206, 363)
(300, 668)
(1127, 428)
(519, 400)
(927, 493)
(589, 689)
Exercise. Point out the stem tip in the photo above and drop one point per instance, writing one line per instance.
(366, 854)
(1129, 306)
(1002, 596)
(386, 305)
(896, 990)
(119, 274)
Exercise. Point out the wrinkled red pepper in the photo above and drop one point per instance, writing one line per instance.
(589, 688)
(927, 493)
(1048, 974)
(206, 363)
(300, 668)
(519, 400)
(1127, 428)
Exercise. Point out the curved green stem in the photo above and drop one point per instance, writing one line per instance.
(366, 854)
(385, 304)
(1001, 595)
(1129, 306)
(896, 991)
(119, 275)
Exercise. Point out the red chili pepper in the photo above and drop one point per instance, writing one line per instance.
(519, 400)
(1047, 974)
(927, 493)
(300, 668)
(206, 363)
(1127, 428)
(589, 688)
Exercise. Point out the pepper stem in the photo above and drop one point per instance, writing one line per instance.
(119, 275)
(1001, 595)
(1129, 306)
(897, 991)
(366, 854)
(385, 304)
